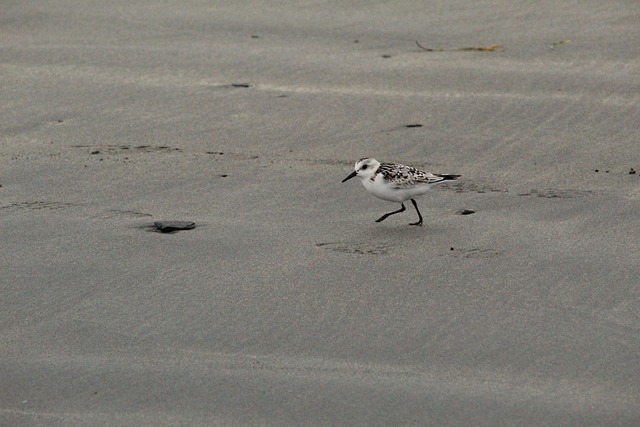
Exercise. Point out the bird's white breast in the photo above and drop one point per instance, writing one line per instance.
(385, 190)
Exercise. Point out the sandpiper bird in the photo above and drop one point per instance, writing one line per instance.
(396, 183)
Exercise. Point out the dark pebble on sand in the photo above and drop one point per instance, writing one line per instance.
(171, 226)
(632, 171)
(95, 152)
(413, 125)
(241, 84)
(466, 211)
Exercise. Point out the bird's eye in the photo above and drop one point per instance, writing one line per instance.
(364, 167)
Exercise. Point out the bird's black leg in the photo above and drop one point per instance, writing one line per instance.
(419, 216)
(383, 217)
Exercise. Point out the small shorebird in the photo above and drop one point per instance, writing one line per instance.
(396, 183)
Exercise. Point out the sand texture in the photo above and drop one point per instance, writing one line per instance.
(287, 305)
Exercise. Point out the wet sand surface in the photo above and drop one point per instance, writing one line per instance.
(287, 304)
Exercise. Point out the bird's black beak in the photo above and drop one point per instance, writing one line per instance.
(354, 173)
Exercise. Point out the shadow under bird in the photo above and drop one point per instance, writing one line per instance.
(396, 183)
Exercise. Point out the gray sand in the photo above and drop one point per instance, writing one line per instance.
(288, 304)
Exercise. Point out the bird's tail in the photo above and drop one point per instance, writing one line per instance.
(446, 176)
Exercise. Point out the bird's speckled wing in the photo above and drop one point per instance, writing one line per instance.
(401, 176)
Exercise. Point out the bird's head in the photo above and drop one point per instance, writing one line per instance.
(365, 168)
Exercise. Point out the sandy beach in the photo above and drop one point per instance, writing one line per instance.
(287, 305)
